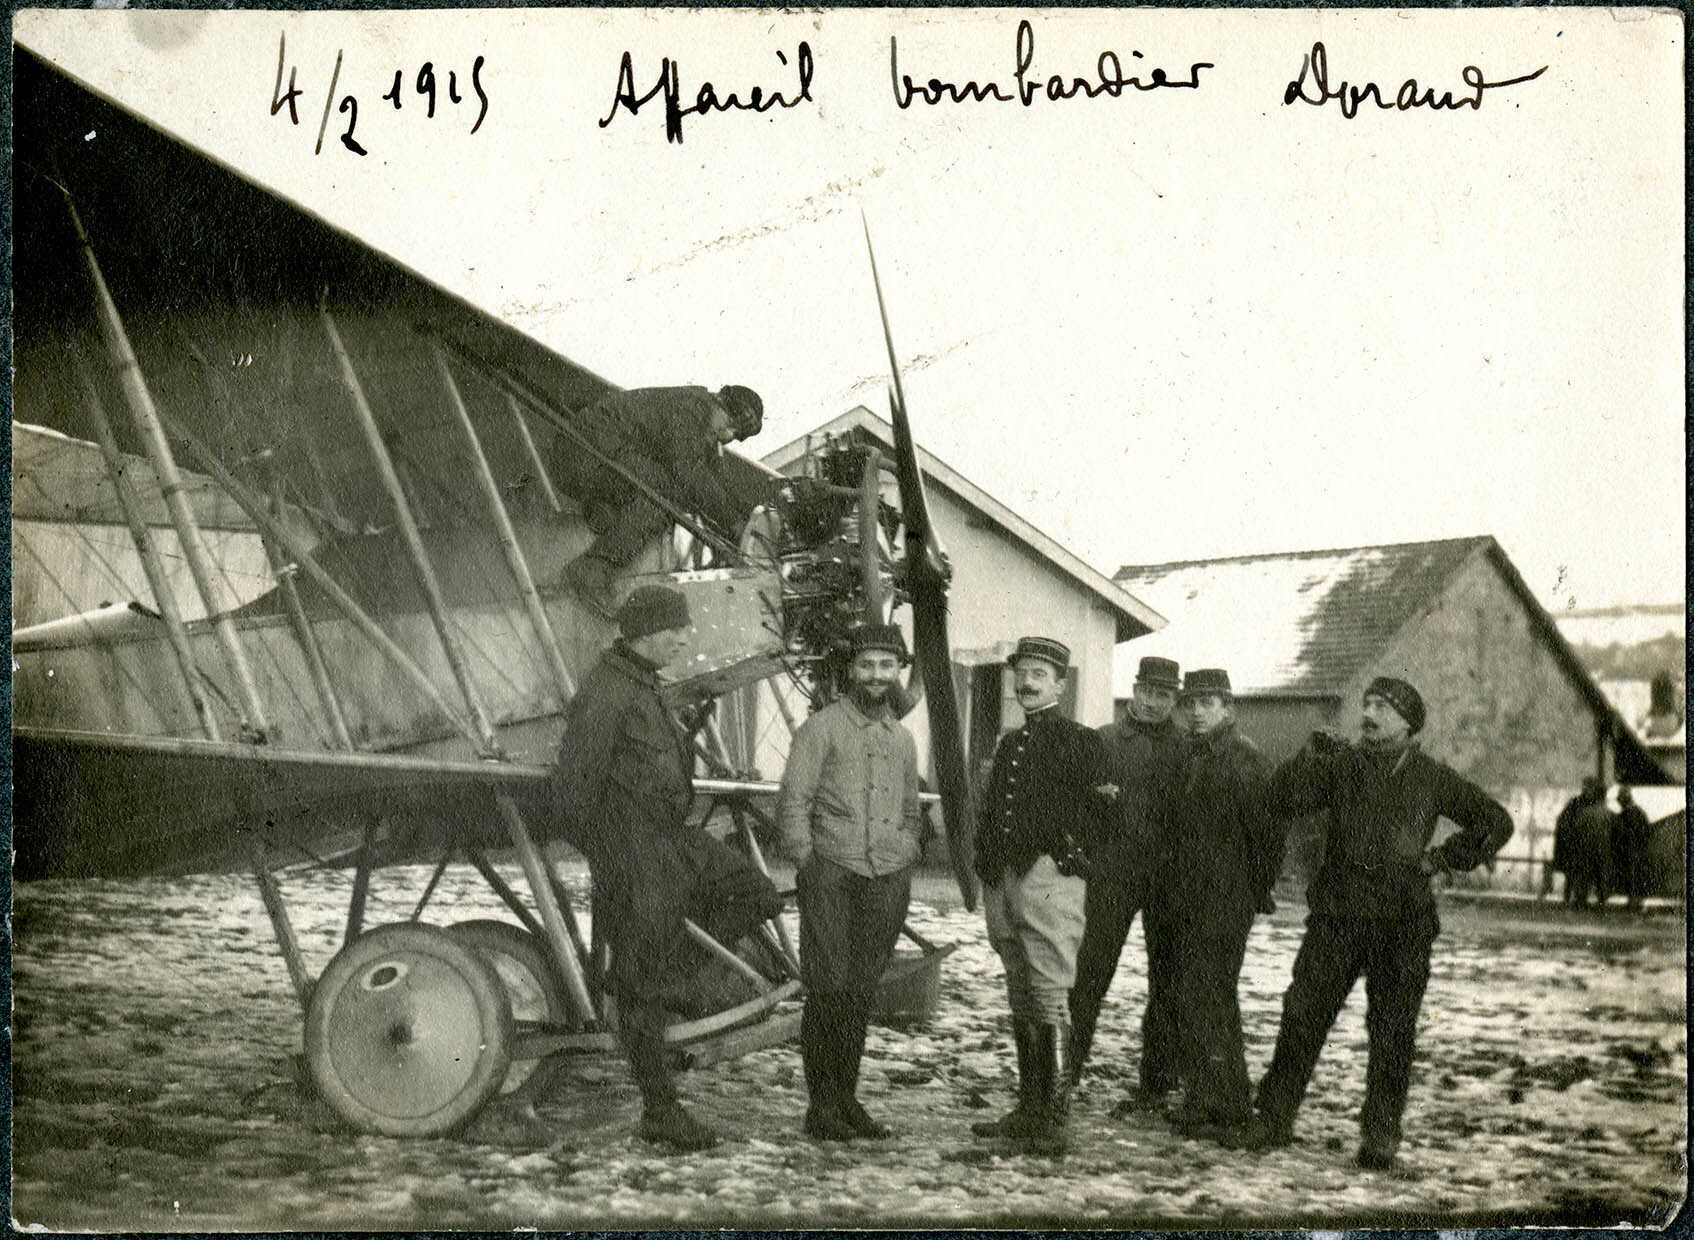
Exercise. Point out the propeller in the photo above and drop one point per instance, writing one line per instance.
(928, 573)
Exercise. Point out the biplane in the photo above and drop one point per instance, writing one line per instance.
(217, 368)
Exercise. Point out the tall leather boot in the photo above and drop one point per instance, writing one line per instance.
(1079, 1043)
(1051, 1044)
(663, 1119)
(852, 1050)
(819, 1041)
(1025, 1118)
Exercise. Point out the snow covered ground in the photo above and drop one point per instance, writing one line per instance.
(154, 1090)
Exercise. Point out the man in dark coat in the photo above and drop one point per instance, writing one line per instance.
(1222, 855)
(1372, 912)
(1564, 829)
(1143, 751)
(1630, 831)
(672, 439)
(1039, 818)
(624, 780)
(1588, 853)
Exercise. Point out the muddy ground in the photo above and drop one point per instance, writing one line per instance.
(155, 1090)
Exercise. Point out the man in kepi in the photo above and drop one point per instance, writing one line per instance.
(1372, 912)
(1040, 815)
(670, 438)
(1222, 856)
(624, 781)
(1143, 751)
(849, 815)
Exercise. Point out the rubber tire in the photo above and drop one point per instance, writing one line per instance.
(525, 970)
(408, 1033)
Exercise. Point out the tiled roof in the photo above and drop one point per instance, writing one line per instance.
(1292, 623)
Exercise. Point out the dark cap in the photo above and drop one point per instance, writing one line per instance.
(885, 637)
(746, 410)
(652, 609)
(1156, 671)
(1399, 694)
(1054, 652)
(1207, 680)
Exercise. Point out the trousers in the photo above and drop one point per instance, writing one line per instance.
(1109, 910)
(1392, 955)
(1035, 923)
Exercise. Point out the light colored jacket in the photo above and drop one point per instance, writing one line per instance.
(850, 791)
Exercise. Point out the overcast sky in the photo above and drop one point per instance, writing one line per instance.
(1175, 324)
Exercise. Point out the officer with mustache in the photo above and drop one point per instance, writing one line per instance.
(1040, 816)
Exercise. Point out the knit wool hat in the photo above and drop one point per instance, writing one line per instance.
(746, 408)
(1399, 694)
(886, 637)
(652, 609)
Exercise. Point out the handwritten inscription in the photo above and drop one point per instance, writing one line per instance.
(348, 105)
(1315, 67)
(1109, 79)
(706, 99)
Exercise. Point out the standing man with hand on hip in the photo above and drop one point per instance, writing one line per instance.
(849, 816)
(1040, 816)
(1372, 912)
(625, 782)
(1143, 750)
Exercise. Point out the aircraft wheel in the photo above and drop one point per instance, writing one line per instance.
(408, 1032)
(521, 964)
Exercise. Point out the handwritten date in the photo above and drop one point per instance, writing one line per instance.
(425, 85)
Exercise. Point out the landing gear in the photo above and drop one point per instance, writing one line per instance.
(535, 996)
(409, 1031)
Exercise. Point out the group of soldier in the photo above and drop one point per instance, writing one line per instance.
(1599, 851)
(1079, 830)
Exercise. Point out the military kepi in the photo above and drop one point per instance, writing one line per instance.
(652, 609)
(1160, 672)
(1054, 652)
(1401, 696)
(1206, 680)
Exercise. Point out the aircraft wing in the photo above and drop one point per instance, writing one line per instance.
(90, 804)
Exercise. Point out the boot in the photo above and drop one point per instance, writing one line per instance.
(1023, 1119)
(1377, 1150)
(1051, 1042)
(1081, 1041)
(663, 1119)
(852, 1047)
(1260, 1132)
(817, 1053)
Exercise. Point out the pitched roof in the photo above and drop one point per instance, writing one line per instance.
(1302, 623)
(1134, 617)
(1296, 623)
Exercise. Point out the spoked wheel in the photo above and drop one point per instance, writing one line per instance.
(408, 1032)
(533, 994)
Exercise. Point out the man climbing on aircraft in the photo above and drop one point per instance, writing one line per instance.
(669, 438)
(625, 783)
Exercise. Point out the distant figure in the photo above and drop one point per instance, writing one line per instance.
(1592, 790)
(671, 438)
(1664, 716)
(1630, 830)
(1588, 851)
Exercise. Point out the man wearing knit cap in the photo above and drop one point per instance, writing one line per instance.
(1222, 855)
(1372, 913)
(849, 815)
(625, 783)
(672, 439)
(1040, 816)
(1143, 750)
